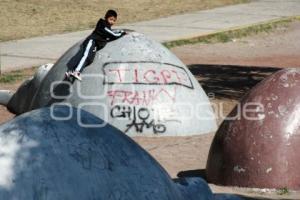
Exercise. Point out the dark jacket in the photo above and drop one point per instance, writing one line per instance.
(103, 33)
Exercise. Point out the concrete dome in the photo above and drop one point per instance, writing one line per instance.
(20, 101)
(134, 83)
(261, 149)
(47, 154)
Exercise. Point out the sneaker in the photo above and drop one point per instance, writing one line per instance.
(68, 74)
(76, 75)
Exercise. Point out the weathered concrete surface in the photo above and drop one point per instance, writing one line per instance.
(46, 157)
(134, 83)
(261, 149)
(40, 50)
(5, 96)
(48, 154)
(21, 100)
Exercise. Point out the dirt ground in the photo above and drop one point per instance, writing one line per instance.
(4, 114)
(22, 19)
(226, 71)
(277, 49)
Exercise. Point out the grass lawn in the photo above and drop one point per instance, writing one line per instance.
(17, 76)
(28, 18)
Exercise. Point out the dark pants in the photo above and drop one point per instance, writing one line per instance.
(88, 54)
(85, 55)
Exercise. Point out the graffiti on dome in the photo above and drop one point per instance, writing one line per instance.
(136, 88)
(146, 73)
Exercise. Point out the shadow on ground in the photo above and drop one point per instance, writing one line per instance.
(229, 81)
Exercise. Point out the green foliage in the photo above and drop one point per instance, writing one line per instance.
(283, 191)
(11, 77)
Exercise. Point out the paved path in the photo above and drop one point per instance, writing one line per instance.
(36, 51)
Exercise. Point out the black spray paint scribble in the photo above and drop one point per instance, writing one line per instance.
(140, 119)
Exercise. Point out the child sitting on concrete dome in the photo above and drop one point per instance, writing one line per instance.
(96, 41)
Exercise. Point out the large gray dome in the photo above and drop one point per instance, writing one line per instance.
(135, 84)
(46, 154)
